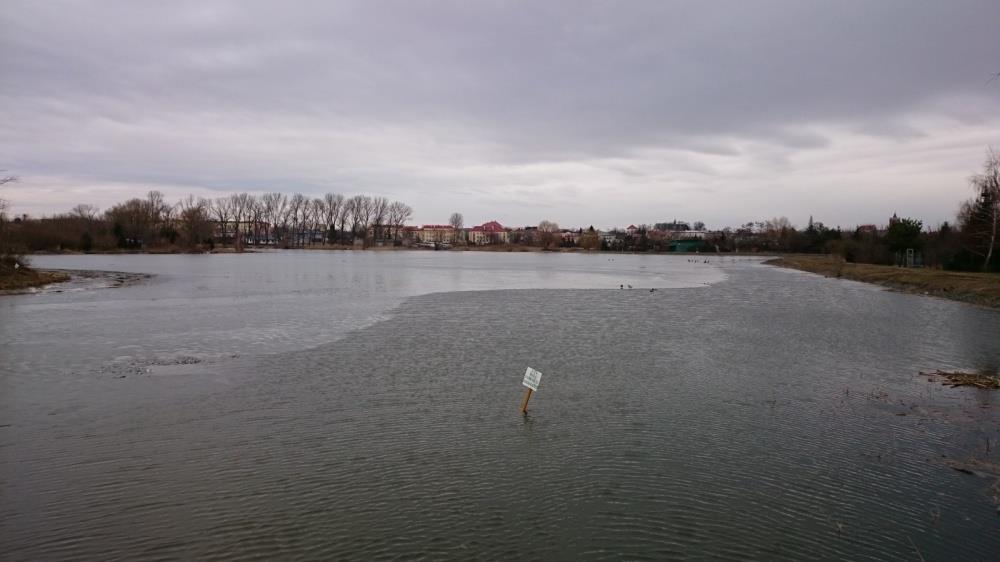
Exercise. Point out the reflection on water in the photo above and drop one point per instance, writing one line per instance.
(358, 407)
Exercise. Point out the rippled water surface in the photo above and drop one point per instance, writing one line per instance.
(364, 405)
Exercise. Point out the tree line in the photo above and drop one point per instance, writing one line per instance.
(970, 244)
(279, 220)
(241, 219)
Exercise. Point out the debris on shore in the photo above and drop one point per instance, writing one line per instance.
(987, 381)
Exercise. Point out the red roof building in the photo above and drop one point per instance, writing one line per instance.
(489, 233)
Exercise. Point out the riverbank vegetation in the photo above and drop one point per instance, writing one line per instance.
(16, 277)
(971, 287)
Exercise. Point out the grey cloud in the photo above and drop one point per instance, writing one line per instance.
(228, 94)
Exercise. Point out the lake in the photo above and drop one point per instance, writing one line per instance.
(317, 405)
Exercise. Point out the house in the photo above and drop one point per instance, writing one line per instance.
(608, 236)
(571, 237)
(436, 233)
(491, 232)
(674, 226)
(690, 235)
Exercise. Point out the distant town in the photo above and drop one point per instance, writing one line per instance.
(243, 222)
(276, 220)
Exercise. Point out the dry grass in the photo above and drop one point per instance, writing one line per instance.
(988, 381)
(976, 288)
(25, 278)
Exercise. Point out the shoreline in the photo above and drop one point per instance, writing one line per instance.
(493, 248)
(26, 278)
(321, 247)
(981, 289)
(60, 280)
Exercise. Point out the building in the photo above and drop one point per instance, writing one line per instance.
(674, 226)
(689, 245)
(571, 237)
(436, 233)
(488, 233)
(690, 234)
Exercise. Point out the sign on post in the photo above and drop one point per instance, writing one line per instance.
(531, 380)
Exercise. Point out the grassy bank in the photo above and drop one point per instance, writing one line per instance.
(26, 278)
(975, 288)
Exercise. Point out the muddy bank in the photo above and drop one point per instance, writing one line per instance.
(64, 280)
(25, 278)
(981, 289)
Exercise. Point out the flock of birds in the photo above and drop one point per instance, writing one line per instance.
(690, 260)
(622, 286)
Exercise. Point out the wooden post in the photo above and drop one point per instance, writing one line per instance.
(524, 405)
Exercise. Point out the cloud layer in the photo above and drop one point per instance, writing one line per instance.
(586, 113)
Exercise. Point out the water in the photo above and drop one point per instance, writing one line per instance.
(364, 405)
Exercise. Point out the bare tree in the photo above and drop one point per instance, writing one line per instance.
(159, 210)
(287, 214)
(345, 216)
(457, 221)
(980, 217)
(361, 214)
(777, 231)
(399, 213)
(547, 231)
(255, 215)
(86, 212)
(223, 213)
(297, 214)
(131, 223)
(379, 216)
(240, 206)
(317, 213)
(332, 202)
(270, 204)
(195, 221)
(364, 211)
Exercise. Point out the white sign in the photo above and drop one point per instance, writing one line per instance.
(531, 379)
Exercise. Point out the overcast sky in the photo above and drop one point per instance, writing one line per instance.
(603, 113)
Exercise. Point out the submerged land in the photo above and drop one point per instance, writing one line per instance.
(27, 278)
(975, 288)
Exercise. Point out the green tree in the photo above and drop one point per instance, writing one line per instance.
(903, 234)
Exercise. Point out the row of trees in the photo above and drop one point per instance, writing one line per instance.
(272, 219)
